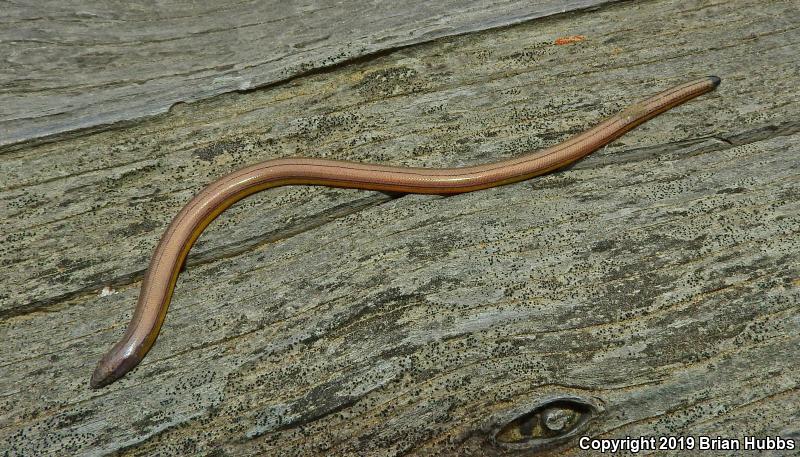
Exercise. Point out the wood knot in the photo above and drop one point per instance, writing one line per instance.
(546, 424)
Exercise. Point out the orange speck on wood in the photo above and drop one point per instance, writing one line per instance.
(569, 39)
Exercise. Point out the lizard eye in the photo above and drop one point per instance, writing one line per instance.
(548, 424)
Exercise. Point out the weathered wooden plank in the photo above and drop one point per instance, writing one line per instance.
(80, 65)
(657, 279)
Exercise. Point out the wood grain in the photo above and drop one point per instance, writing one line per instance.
(658, 278)
(87, 65)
